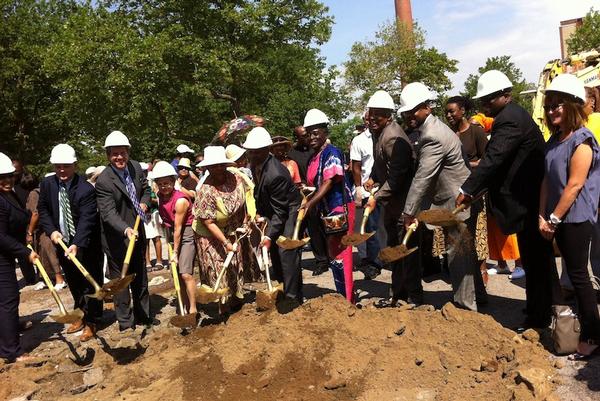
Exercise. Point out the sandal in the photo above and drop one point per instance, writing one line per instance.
(157, 267)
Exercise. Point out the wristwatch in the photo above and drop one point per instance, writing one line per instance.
(554, 220)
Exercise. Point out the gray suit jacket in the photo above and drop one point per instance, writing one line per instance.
(441, 169)
(116, 209)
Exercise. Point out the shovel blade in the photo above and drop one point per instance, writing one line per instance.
(117, 285)
(70, 317)
(206, 295)
(438, 217)
(267, 300)
(289, 243)
(394, 253)
(355, 239)
(185, 322)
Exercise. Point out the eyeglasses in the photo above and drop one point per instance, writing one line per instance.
(552, 107)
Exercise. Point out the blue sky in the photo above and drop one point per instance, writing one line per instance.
(467, 30)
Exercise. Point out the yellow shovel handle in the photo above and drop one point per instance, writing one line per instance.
(48, 282)
(79, 266)
(265, 258)
(409, 232)
(130, 248)
(176, 279)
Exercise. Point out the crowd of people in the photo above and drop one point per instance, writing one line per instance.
(517, 194)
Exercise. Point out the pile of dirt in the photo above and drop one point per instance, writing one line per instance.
(324, 350)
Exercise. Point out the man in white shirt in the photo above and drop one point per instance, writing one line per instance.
(361, 154)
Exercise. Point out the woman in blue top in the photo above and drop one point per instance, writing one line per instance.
(569, 197)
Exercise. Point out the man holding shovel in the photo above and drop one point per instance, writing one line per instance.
(68, 212)
(277, 200)
(123, 194)
(441, 170)
(393, 168)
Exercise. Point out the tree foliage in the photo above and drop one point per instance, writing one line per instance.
(514, 74)
(162, 71)
(395, 58)
(587, 36)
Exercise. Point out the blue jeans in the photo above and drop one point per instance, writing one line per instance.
(369, 250)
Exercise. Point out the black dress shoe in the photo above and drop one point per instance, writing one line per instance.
(386, 303)
(320, 270)
(370, 272)
(150, 322)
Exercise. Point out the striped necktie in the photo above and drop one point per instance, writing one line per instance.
(65, 207)
(132, 194)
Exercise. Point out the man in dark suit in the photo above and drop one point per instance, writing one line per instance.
(278, 200)
(68, 211)
(123, 194)
(512, 170)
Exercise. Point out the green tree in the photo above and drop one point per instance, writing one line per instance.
(162, 71)
(505, 65)
(587, 36)
(341, 134)
(395, 58)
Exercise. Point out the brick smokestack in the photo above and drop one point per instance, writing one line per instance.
(404, 13)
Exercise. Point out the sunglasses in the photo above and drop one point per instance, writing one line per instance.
(182, 168)
(552, 107)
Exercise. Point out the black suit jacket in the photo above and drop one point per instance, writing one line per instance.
(116, 208)
(512, 169)
(14, 219)
(84, 210)
(276, 196)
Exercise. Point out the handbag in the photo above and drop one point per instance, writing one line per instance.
(565, 329)
(337, 222)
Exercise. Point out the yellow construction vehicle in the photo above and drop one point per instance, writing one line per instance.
(586, 66)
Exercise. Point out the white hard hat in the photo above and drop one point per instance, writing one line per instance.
(215, 155)
(315, 117)
(234, 152)
(90, 170)
(257, 138)
(62, 154)
(381, 100)
(144, 166)
(163, 169)
(184, 149)
(6, 166)
(492, 81)
(413, 95)
(116, 138)
(569, 84)
(184, 162)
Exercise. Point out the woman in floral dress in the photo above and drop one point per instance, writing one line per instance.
(219, 209)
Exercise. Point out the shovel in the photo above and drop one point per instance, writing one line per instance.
(98, 292)
(207, 294)
(294, 242)
(355, 239)
(183, 320)
(444, 217)
(64, 317)
(117, 285)
(267, 299)
(394, 253)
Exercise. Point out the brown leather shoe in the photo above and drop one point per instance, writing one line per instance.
(89, 332)
(75, 327)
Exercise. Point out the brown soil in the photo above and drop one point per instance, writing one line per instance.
(324, 350)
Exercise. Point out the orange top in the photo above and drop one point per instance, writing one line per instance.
(292, 167)
(483, 121)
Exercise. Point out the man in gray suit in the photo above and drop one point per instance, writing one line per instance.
(440, 172)
(123, 194)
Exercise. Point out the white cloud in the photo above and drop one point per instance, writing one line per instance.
(527, 30)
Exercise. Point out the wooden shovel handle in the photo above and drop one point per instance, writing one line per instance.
(80, 267)
(464, 206)
(130, 248)
(176, 280)
(48, 282)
